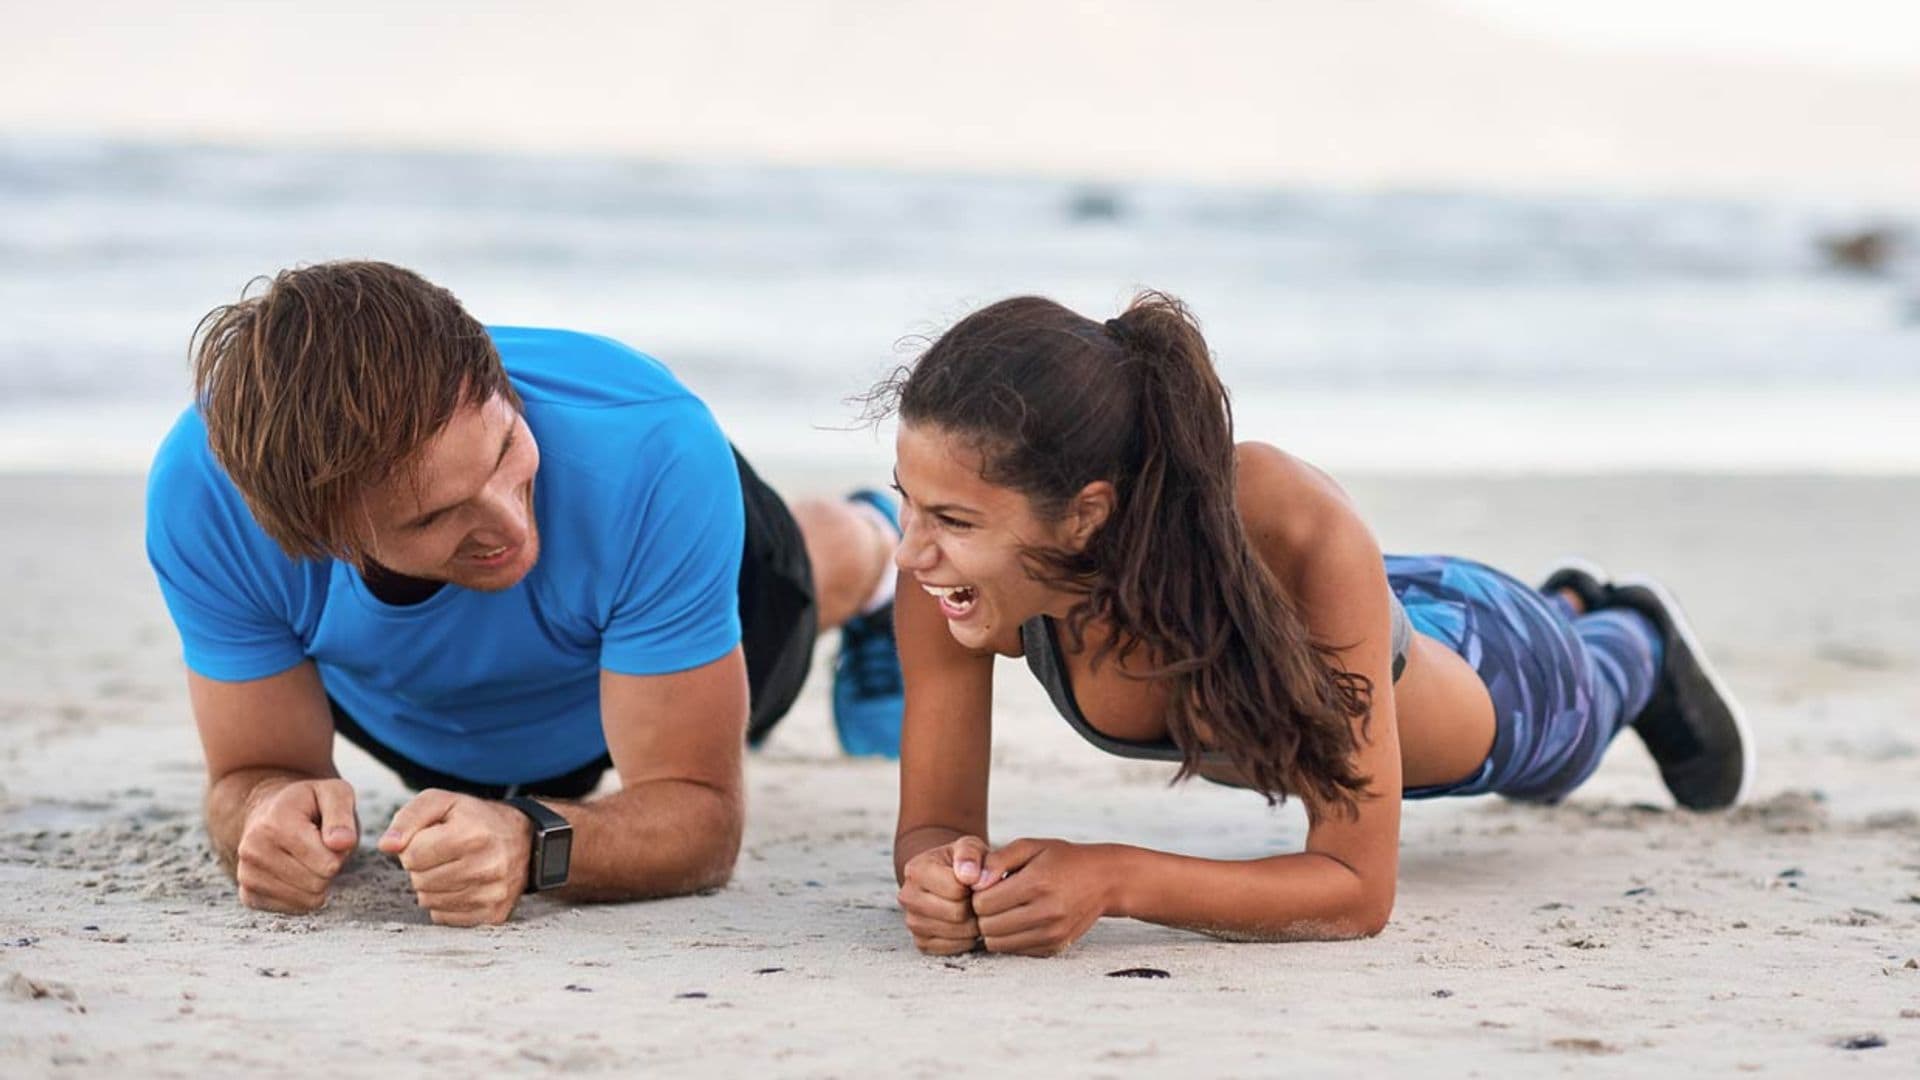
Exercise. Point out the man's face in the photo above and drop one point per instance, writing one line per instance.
(466, 517)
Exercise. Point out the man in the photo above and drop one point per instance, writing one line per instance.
(500, 560)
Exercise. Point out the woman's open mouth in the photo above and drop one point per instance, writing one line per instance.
(956, 601)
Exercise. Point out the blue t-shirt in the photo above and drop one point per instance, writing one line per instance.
(641, 526)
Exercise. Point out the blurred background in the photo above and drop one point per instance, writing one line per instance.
(1457, 235)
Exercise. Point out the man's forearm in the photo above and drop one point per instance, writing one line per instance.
(657, 838)
(231, 797)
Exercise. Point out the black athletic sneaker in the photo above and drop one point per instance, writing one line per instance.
(1692, 726)
(1581, 578)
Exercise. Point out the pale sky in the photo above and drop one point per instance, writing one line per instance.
(1882, 35)
(1615, 95)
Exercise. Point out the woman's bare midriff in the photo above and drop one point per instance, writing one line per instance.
(1444, 713)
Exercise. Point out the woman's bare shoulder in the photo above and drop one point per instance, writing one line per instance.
(1288, 506)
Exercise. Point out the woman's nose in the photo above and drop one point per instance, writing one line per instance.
(915, 551)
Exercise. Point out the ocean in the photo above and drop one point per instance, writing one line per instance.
(1399, 331)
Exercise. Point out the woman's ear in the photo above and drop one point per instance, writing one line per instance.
(1089, 510)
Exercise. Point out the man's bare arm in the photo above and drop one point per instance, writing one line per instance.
(674, 827)
(278, 815)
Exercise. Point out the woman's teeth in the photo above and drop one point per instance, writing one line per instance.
(955, 600)
(492, 554)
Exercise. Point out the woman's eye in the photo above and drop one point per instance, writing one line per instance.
(953, 523)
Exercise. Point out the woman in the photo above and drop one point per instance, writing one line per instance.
(1072, 494)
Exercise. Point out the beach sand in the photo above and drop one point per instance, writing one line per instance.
(1607, 936)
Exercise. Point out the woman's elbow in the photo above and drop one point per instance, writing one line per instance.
(1348, 927)
(1373, 915)
(1370, 926)
(1364, 919)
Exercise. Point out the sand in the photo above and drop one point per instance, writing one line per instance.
(1608, 936)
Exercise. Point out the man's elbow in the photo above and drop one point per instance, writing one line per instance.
(718, 856)
(716, 870)
(695, 854)
(713, 878)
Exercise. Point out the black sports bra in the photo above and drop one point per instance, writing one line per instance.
(1041, 639)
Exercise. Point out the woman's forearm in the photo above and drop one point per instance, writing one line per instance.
(916, 840)
(1301, 897)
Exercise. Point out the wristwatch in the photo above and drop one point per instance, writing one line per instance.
(552, 844)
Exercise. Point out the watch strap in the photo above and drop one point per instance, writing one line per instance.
(544, 816)
(547, 824)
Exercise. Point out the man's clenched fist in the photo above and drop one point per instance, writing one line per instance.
(297, 836)
(467, 856)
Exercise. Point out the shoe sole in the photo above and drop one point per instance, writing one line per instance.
(1681, 628)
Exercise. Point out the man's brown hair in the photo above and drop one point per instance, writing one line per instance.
(328, 382)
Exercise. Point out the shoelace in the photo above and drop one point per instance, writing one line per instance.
(870, 657)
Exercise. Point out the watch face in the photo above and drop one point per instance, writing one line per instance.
(556, 856)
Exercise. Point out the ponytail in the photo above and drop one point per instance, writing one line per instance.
(1181, 581)
(1057, 401)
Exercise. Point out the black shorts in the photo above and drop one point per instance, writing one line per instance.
(778, 624)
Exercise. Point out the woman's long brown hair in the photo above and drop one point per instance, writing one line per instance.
(1055, 401)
